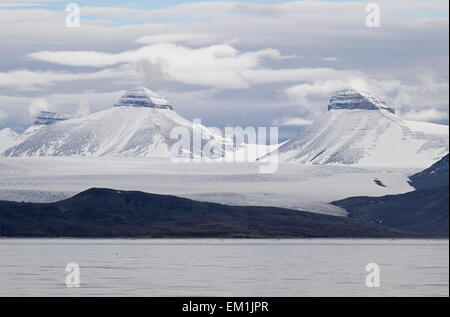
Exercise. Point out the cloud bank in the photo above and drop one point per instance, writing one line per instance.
(225, 61)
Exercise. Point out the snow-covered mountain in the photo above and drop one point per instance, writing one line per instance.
(8, 138)
(139, 125)
(361, 129)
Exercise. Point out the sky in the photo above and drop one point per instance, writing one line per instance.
(249, 63)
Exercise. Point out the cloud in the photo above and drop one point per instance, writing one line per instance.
(218, 55)
(17, 4)
(265, 75)
(215, 66)
(152, 72)
(3, 115)
(220, 66)
(291, 121)
(330, 59)
(323, 87)
(303, 9)
(187, 38)
(38, 105)
(8, 16)
(84, 108)
(247, 53)
(34, 80)
(406, 96)
(312, 96)
(425, 115)
(24, 3)
(20, 112)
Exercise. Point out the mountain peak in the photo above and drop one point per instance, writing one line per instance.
(143, 97)
(355, 99)
(49, 117)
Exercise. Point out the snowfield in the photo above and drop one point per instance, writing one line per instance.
(8, 138)
(297, 186)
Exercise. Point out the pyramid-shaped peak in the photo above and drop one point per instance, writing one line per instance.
(143, 97)
(355, 99)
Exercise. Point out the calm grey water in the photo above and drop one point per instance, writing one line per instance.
(203, 267)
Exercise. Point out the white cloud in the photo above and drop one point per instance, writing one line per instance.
(16, 4)
(219, 66)
(19, 112)
(38, 105)
(33, 80)
(8, 16)
(264, 76)
(330, 59)
(425, 115)
(3, 115)
(291, 121)
(84, 108)
(214, 66)
(174, 54)
(187, 38)
(325, 87)
(406, 97)
(394, 61)
(24, 3)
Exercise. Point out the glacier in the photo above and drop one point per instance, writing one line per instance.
(294, 186)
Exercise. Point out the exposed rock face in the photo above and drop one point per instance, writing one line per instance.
(48, 118)
(423, 211)
(143, 97)
(434, 176)
(354, 99)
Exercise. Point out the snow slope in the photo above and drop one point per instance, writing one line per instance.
(362, 130)
(8, 138)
